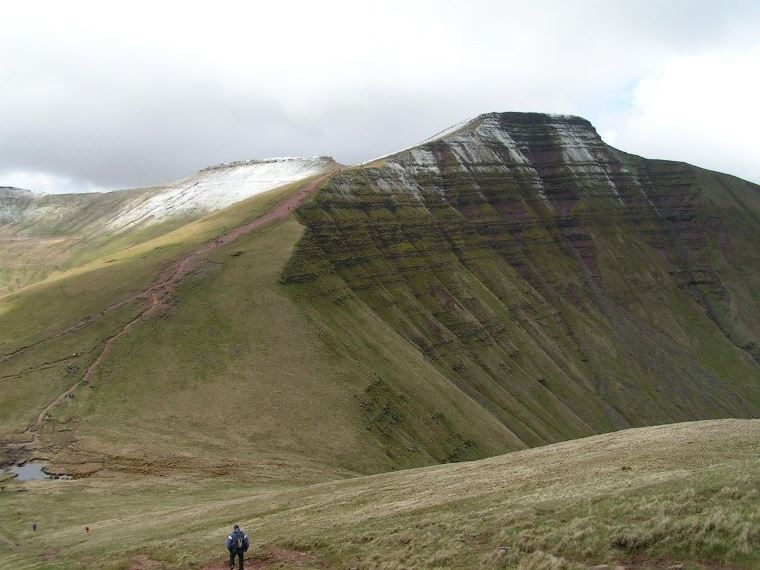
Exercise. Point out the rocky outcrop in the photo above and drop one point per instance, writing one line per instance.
(567, 287)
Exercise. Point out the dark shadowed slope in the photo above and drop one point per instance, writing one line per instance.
(565, 286)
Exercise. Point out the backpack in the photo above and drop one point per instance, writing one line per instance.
(237, 541)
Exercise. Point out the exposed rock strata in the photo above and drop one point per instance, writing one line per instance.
(566, 286)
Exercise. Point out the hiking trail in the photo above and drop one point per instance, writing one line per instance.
(155, 297)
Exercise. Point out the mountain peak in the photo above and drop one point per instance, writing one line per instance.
(533, 118)
(510, 140)
(210, 189)
(514, 120)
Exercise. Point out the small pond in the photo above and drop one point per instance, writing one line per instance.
(31, 471)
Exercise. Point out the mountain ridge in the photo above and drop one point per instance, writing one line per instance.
(71, 228)
(247, 176)
(509, 186)
(511, 283)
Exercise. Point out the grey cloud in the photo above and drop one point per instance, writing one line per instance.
(133, 111)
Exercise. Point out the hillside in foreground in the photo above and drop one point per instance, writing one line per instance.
(679, 496)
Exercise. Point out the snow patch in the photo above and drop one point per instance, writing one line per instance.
(21, 192)
(216, 187)
(404, 181)
(424, 160)
(584, 152)
(481, 149)
(575, 143)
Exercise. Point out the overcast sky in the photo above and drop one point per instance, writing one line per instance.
(105, 95)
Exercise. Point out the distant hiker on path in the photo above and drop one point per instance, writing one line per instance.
(34, 526)
(237, 544)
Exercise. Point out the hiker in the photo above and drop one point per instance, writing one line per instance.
(34, 526)
(237, 544)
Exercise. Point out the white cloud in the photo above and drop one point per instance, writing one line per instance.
(146, 92)
(47, 183)
(701, 109)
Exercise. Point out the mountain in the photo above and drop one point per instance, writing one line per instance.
(45, 232)
(511, 282)
(564, 286)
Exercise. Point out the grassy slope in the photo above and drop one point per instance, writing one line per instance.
(650, 497)
(61, 238)
(398, 260)
(238, 371)
(240, 376)
(361, 370)
(39, 311)
(601, 318)
(425, 345)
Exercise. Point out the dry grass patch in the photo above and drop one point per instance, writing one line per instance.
(564, 506)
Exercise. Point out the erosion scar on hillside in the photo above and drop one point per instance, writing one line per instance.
(157, 295)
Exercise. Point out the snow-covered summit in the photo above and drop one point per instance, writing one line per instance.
(210, 189)
(451, 130)
(504, 139)
(219, 186)
(532, 146)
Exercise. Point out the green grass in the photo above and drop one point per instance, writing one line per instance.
(242, 375)
(557, 325)
(238, 370)
(384, 334)
(681, 494)
(30, 316)
(379, 332)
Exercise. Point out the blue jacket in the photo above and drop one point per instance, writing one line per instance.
(232, 539)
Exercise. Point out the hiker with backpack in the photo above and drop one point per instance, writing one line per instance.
(237, 544)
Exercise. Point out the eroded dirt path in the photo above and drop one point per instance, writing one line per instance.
(155, 297)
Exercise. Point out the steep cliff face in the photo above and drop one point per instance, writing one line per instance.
(564, 286)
